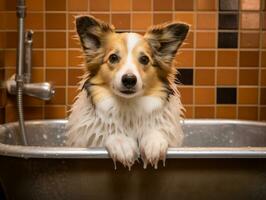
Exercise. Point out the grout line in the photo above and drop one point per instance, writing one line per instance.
(216, 59)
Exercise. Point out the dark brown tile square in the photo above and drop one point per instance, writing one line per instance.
(248, 113)
(263, 96)
(181, 5)
(249, 58)
(248, 77)
(58, 5)
(165, 5)
(55, 21)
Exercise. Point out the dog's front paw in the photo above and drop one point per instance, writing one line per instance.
(153, 148)
(123, 149)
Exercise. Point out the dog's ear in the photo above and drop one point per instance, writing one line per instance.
(165, 39)
(92, 32)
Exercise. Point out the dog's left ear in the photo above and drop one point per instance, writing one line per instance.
(165, 40)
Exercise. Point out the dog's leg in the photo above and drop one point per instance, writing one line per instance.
(122, 148)
(153, 148)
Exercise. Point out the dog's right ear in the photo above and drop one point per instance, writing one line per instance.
(92, 32)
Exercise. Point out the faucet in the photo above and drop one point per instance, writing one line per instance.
(45, 90)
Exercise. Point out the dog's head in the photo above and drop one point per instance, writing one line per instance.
(129, 64)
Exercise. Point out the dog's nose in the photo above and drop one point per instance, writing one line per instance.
(129, 80)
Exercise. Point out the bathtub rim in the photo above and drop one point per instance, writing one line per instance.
(20, 151)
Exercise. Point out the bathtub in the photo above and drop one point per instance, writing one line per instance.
(219, 159)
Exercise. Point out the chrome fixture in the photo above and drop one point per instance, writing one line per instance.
(20, 83)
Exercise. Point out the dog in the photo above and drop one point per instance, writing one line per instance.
(128, 99)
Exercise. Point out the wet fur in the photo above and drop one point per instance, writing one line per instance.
(144, 125)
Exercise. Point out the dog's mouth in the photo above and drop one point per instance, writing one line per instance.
(128, 91)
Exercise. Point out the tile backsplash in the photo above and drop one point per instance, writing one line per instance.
(222, 65)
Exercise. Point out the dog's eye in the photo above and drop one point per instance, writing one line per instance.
(113, 58)
(144, 60)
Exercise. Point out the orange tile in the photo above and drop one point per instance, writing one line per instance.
(205, 77)
(188, 42)
(55, 21)
(99, 5)
(34, 21)
(206, 21)
(159, 18)
(56, 76)
(250, 4)
(248, 77)
(121, 21)
(226, 77)
(205, 58)
(264, 39)
(37, 58)
(9, 58)
(204, 96)
(188, 112)
(37, 75)
(141, 5)
(181, 5)
(227, 58)
(206, 112)
(226, 112)
(55, 58)
(263, 77)
(35, 5)
(184, 58)
(206, 5)
(141, 21)
(186, 95)
(72, 93)
(185, 17)
(165, 5)
(248, 96)
(250, 20)
(32, 101)
(249, 59)
(73, 40)
(55, 112)
(206, 40)
(118, 5)
(59, 98)
(38, 40)
(58, 5)
(103, 17)
(75, 58)
(77, 5)
(11, 113)
(55, 39)
(249, 40)
(263, 58)
(71, 21)
(74, 76)
(33, 113)
(248, 113)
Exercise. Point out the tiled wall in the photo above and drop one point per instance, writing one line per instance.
(222, 66)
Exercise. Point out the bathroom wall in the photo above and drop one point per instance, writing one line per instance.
(222, 65)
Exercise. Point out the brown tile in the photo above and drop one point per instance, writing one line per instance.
(2, 59)
(263, 39)
(55, 39)
(10, 21)
(99, 5)
(55, 21)
(3, 39)
(33, 113)
(37, 58)
(227, 58)
(34, 21)
(159, 18)
(38, 40)
(247, 113)
(103, 17)
(184, 58)
(263, 96)
(71, 21)
(249, 58)
(72, 93)
(264, 20)
(56, 76)
(165, 5)
(186, 18)
(55, 58)
(11, 113)
(10, 5)
(121, 21)
(58, 5)
(205, 58)
(184, 5)
(10, 58)
(226, 77)
(141, 21)
(73, 40)
(186, 95)
(204, 96)
(204, 112)
(249, 40)
(188, 43)
(263, 77)
(35, 5)
(75, 58)
(37, 75)
(250, 4)
(9, 72)
(263, 113)
(248, 96)
(2, 115)
(32, 101)
(77, 5)
(248, 77)
(226, 112)
(205, 77)
(55, 112)
(206, 40)
(188, 112)
(263, 58)
(59, 98)
(206, 21)
(74, 76)
(250, 21)
(141, 5)
(118, 5)
(206, 5)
